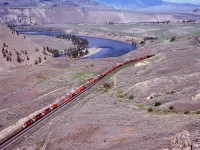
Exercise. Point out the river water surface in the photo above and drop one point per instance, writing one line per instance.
(109, 48)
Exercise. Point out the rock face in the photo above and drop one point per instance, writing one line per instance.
(186, 141)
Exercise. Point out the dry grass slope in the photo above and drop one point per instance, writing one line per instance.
(16, 50)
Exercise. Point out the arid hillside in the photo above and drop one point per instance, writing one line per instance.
(16, 50)
(141, 106)
(37, 16)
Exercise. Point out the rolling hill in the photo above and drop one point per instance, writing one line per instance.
(14, 54)
(36, 12)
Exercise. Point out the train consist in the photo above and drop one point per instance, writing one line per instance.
(27, 121)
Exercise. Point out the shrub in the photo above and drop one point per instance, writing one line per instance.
(39, 60)
(172, 39)
(171, 107)
(187, 112)
(150, 109)
(19, 60)
(120, 95)
(131, 97)
(36, 62)
(198, 112)
(4, 54)
(157, 104)
(172, 92)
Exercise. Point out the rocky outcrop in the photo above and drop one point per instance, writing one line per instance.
(186, 141)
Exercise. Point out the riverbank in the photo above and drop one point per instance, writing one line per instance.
(92, 51)
(108, 47)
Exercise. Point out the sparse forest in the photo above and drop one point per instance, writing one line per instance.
(79, 51)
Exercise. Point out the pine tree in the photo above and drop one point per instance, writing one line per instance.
(19, 59)
(4, 54)
(39, 60)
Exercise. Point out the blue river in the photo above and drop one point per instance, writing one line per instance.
(109, 48)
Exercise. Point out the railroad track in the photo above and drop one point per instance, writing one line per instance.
(6, 144)
(9, 141)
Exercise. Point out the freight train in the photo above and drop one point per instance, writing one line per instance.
(28, 121)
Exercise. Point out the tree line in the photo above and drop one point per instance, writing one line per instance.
(79, 51)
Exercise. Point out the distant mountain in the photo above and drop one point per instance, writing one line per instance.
(131, 4)
(148, 5)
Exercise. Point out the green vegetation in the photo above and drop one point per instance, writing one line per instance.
(172, 39)
(80, 42)
(157, 104)
(55, 52)
(187, 112)
(40, 81)
(108, 86)
(131, 97)
(120, 94)
(171, 107)
(171, 92)
(196, 33)
(198, 112)
(82, 75)
(150, 109)
(39, 145)
(162, 37)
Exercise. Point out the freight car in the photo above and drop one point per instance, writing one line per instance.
(37, 117)
(46, 111)
(27, 121)
(80, 89)
(66, 99)
(12, 130)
